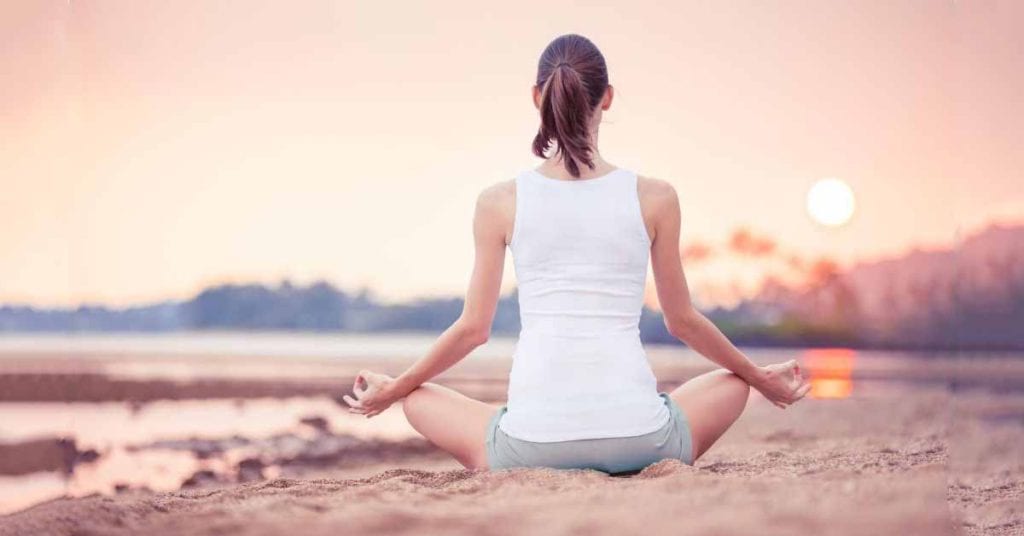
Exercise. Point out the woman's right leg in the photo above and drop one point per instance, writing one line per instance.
(711, 402)
(452, 421)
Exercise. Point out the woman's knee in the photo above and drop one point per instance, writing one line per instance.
(414, 400)
(432, 410)
(738, 388)
(727, 377)
(729, 389)
(738, 383)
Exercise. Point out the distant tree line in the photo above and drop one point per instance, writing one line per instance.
(255, 307)
(321, 307)
(968, 298)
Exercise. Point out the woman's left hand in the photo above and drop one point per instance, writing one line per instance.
(374, 393)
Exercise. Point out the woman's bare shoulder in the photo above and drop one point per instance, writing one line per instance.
(656, 195)
(499, 192)
(496, 205)
(499, 197)
(496, 208)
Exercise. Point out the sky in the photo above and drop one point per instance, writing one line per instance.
(149, 148)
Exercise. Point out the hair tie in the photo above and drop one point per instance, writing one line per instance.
(561, 63)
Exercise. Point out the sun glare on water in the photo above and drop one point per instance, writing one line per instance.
(830, 202)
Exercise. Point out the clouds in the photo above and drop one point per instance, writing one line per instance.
(747, 261)
(696, 252)
(744, 242)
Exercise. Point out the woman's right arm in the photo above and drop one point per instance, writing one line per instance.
(782, 383)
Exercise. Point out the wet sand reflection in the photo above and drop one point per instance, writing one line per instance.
(830, 371)
(160, 446)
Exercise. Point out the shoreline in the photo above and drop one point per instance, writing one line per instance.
(201, 444)
(140, 378)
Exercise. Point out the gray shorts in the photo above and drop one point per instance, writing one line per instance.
(611, 455)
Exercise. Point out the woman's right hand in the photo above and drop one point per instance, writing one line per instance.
(782, 383)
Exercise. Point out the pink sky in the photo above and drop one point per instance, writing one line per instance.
(149, 148)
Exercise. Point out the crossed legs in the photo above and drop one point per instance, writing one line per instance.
(457, 423)
(452, 421)
(711, 403)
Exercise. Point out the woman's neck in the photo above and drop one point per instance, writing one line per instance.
(555, 168)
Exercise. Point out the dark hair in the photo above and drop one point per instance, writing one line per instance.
(572, 78)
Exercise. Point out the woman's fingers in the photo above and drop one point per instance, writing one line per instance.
(352, 402)
(364, 384)
(798, 392)
(366, 412)
(789, 385)
(357, 384)
(369, 399)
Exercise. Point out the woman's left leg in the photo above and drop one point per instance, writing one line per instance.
(452, 421)
(711, 402)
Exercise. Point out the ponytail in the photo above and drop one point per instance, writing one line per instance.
(572, 78)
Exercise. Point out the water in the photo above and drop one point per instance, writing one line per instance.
(256, 344)
(161, 445)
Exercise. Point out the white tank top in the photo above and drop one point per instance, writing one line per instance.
(579, 371)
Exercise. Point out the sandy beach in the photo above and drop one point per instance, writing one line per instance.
(218, 215)
(883, 456)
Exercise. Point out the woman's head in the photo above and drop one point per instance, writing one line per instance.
(571, 90)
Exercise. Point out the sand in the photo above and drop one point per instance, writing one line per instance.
(891, 458)
(919, 463)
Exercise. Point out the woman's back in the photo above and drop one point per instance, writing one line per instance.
(581, 393)
(580, 250)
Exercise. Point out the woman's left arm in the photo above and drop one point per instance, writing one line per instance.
(376, 392)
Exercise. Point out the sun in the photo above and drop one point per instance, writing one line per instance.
(830, 202)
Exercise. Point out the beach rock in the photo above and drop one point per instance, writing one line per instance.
(250, 470)
(317, 422)
(38, 455)
(200, 479)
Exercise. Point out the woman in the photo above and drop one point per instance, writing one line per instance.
(581, 393)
